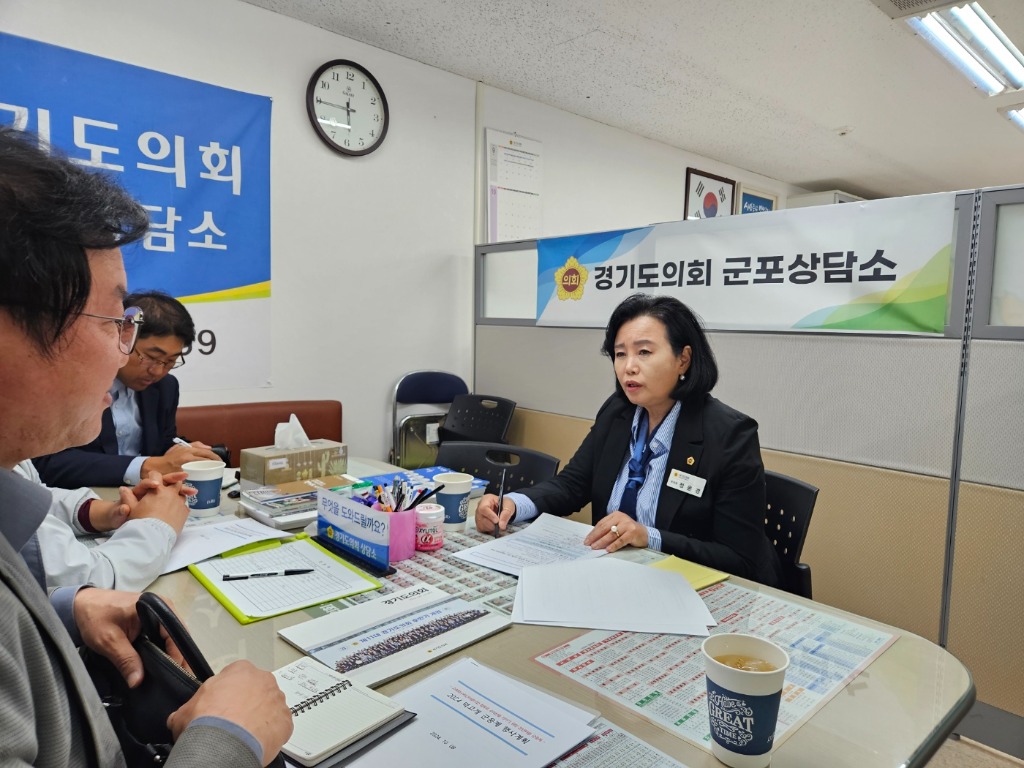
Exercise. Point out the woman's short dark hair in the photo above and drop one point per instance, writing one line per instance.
(683, 328)
(51, 211)
(163, 315)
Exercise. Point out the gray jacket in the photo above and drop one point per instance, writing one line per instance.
(50, 714)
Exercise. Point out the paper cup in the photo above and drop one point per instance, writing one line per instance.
(454, 497)
(743, 706)
(206, 477)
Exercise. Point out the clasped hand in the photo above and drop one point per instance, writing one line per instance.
(159, 496)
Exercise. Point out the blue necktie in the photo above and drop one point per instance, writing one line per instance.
(637, 468)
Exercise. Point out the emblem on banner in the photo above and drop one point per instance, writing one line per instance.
(570, 279)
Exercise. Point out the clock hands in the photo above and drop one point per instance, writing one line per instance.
(349, 110)
(329, 103)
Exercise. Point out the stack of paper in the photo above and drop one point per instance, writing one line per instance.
(610, 594)
(548, 539)
(470, 715)
(221, 534)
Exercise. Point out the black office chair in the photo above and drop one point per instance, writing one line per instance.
(412, 444)
(482, 418)
(790, 505)
(523, 466)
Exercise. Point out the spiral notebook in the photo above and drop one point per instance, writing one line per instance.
(331, 712)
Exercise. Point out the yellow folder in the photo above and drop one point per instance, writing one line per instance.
(333, 578)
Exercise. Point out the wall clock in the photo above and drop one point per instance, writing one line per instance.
(347, 107)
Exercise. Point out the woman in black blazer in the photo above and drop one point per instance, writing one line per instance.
(665, 465)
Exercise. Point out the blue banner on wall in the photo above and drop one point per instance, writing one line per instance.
(197, 156)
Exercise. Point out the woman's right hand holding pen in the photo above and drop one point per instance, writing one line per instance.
(487, 513)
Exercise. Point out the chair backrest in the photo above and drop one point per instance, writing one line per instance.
(523, 466)
(790, 505)
(437, 388)
(483, 418)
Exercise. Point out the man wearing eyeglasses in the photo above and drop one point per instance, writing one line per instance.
(140, 426)
(62, 338)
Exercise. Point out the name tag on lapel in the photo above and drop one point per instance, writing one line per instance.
(690, 484)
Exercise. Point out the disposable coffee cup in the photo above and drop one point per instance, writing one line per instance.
(743, 705)
(206, 477)
(454, 497)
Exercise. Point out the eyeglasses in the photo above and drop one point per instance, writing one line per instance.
(127, 327)
(155, 363)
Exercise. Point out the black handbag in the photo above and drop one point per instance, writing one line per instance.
(139, 715)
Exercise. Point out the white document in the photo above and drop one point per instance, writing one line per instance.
(548, 539)
(612, 747)
(610, 594)
(199, 542)
(379, 640)
(469, 715)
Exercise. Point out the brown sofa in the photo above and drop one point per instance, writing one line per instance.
(248, 425)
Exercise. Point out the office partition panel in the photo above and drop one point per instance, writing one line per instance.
(917, 442)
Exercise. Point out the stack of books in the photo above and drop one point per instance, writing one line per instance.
(290, 505)
(287, 506)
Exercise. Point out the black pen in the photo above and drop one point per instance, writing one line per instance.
(501, 498)
(424, 496)
(287, 572)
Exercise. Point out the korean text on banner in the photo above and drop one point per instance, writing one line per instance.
(197, 156)
(874, 266)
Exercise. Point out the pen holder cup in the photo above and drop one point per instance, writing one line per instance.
(402, 535)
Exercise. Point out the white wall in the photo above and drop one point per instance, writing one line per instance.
(599, 178)
(373, 257)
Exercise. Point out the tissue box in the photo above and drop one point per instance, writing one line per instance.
(271, 465)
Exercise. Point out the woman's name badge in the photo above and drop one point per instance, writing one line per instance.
(690, 484)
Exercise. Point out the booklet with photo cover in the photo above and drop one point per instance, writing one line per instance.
(379, 640)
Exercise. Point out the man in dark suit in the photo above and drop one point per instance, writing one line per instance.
(139, 427)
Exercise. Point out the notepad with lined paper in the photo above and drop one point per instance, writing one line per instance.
(330, 711)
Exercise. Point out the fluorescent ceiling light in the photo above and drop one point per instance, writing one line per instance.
(970, 40)
(1016, 115)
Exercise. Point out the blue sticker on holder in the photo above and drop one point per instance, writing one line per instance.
(740, 722)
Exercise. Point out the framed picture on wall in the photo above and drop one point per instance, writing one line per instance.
(708, 196)
(752, 201)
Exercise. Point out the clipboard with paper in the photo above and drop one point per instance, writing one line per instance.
(327, 578)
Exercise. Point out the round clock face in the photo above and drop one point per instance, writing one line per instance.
(347, 107)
